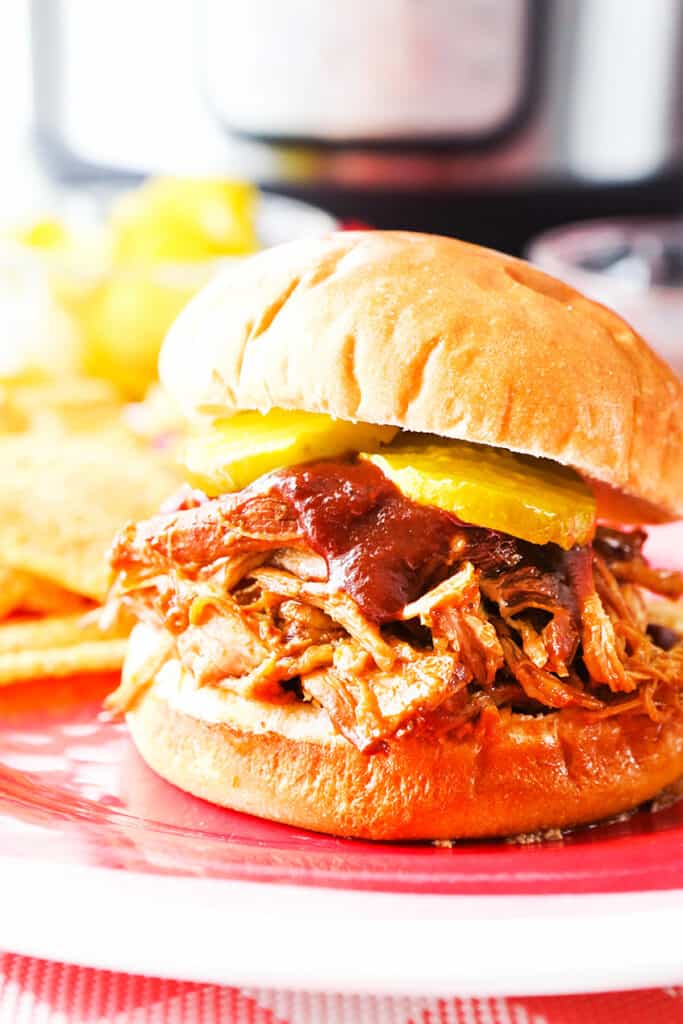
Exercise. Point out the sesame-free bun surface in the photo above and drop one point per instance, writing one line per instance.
(432, 334)
(513, 774)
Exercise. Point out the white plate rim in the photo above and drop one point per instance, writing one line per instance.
(295, 937)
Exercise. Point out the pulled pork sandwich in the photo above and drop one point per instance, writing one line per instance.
(408, 597)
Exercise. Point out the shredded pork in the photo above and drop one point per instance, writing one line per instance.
(248, 605)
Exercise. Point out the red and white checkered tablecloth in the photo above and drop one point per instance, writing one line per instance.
(44, 992)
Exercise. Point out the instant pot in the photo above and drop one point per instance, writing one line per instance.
(491, 119)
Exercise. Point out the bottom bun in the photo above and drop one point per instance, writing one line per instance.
(513, 774)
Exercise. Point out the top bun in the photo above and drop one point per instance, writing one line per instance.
(432, 334)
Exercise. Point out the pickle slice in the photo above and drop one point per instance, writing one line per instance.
(533, 499)
(238, 450)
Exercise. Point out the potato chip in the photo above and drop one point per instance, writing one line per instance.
(93, 656)
(58, 645)
(42, 596)
(22, 592)
(64, 497)
(12, 590)
(35, 634)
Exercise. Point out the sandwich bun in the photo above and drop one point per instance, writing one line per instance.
(512, 773)
(435, 335)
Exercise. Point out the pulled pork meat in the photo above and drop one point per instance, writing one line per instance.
(323, 583)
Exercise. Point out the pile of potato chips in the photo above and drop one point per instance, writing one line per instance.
(83, 311)
(72, 474)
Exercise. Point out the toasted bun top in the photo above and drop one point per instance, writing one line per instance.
(432, 334)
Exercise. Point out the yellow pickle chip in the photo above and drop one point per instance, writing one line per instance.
(534, 499)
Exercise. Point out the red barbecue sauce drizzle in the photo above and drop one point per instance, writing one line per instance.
(380, 547)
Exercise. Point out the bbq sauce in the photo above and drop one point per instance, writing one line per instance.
(380, 547)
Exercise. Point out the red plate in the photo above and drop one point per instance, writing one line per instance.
(75, 782)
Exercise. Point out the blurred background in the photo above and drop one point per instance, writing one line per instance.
(542, 127)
